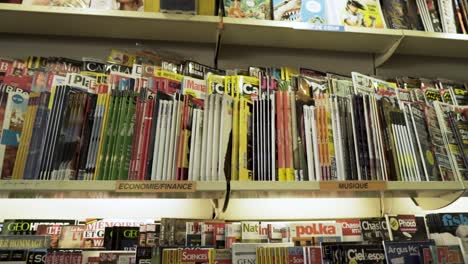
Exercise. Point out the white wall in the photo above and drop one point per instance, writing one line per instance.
(239, 209)
(104, 208)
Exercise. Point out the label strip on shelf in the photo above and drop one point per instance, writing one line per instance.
(353, 186)
(155, 186)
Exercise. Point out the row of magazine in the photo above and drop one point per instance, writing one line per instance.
(202, 7)
(116, 120)
(153, 116)
(337, 253)
(126, 234)
(395, 238)
(449, 16)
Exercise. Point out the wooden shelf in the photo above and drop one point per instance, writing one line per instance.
(312, 189)
(280, 34)
(434, 44)
(217, 190)
(62, 21)
(290, 190)
(77, 22)
(96, 189)
(424, 189)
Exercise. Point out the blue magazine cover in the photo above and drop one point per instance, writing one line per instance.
(404, 252)
(314, 11)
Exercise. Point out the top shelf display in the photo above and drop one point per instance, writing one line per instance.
(79, 22)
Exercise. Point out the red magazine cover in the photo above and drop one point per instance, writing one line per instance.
(181, 140)
(351, 229)
(53, 231)
(4, 66)
(146, 138)
(133, 168)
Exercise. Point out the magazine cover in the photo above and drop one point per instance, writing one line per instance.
(65, 3)
(254, 232)
(405, 252)
(257, 9)
(29, 226)
(407, 228)
(356, 13)
(26, 134)
(314, 11)
(351, 229)
(287, 10)
(51, 230)
(13, 122)
(313, 233)
(395, 13)
(363, 254)
(233, 233)
(374, 229)
(71, 236)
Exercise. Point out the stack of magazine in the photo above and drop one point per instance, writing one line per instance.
(388, 239)
(155, 116)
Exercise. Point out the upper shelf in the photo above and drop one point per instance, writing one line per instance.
(434, 44)
(62, 21)
(307, 36)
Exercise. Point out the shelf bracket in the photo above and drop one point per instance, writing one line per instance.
(380, 59)
(433, 203)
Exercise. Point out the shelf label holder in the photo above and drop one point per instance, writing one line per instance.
(155, 186)
(353, 186)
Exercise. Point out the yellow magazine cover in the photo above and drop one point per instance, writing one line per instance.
(355, 13)
(288, 72)
(25, 138)
(229, 87)
(121, 57)
(105, 99)
(168, 75)
(235, 140)
(217, 84)
(331, 158)
(247, 88)
(258, 256)
(151, 5)
(206, 7)
(245, 135)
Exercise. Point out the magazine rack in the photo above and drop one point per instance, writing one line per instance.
(56, 31)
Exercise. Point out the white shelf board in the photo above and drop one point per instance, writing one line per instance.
(426, 193)
(64, 21)
(257, 189)
(312, 189)
(78, 22)
(434, 44)
(424, 186)
(279, 34)
(96, 189)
